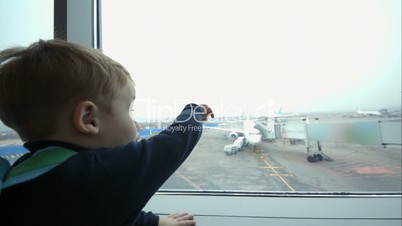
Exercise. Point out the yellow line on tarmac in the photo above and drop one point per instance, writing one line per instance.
(267, 167)
(284, 175)
(276, 173)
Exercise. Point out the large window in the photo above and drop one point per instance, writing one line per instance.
(22, 23)
(297, 71)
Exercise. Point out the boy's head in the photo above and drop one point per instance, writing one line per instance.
(42, 87)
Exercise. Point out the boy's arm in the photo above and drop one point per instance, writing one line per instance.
(140, 168)
(147, 219)
(166, 151)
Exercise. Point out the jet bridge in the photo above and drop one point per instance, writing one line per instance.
(382, 132)
(267, 128)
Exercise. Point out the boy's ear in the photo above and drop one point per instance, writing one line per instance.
(85, 117)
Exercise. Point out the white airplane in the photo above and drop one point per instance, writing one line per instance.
(368, 113)
(252, 135)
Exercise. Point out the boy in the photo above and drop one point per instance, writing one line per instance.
(67, 100)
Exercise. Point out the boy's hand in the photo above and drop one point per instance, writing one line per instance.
(177, 219)
(207, 111)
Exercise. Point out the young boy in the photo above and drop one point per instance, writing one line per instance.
(72, 103)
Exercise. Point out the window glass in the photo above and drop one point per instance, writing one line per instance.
(319, 82)
(24, 22)
(21, 23)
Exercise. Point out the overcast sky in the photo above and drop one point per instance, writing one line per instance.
(301, 55)
(23, 22)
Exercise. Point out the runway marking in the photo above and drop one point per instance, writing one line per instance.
(284, 175)
(275, 172)
(270, 167)
(194, 185)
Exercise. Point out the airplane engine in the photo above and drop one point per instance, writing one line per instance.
(233, 136)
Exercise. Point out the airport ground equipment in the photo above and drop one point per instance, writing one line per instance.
(237, 145)
(230, 149)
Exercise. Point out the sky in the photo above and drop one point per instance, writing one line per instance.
(256, 56)
(242, 57)
(23, 22)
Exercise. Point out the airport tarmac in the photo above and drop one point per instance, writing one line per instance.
(283, 167)
(279, 166)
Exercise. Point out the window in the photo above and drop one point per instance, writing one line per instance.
(22, 23)
(319, 81)
(26, 22)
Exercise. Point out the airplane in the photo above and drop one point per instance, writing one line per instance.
(368, 113)
(280, 116)
(285, 114)
(252, 136)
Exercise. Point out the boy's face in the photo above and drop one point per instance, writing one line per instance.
(117, 127)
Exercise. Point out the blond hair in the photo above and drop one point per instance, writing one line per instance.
(39, 82)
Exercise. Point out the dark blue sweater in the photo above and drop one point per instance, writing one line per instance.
(106, 186)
